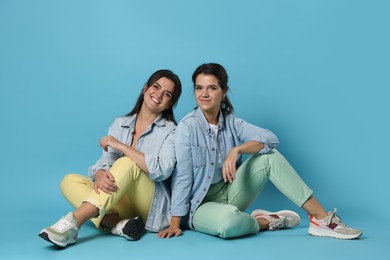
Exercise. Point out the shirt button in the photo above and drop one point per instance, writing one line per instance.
(204, 189)
(192, 212)
(213, 149)
(212, 163)
(197, 201)
(208, 177)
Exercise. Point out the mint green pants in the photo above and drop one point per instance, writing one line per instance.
(221, 212)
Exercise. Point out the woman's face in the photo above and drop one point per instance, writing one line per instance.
(158, 96)
(208, 93)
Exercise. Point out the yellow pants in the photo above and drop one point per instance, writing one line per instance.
(133, 198)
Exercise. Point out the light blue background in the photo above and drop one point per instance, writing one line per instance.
(314, 72)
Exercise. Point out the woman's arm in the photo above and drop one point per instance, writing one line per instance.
(182, 180)
(173, 230)
(250, 139)
(109, 156)
(158, 164)
(229, 165)
(248, 132)
(162, 165)
(137, 156)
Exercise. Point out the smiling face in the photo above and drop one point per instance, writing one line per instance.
(209, 96)
(158, 96)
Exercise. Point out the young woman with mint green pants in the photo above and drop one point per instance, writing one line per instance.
(222, 210)
(211, 187)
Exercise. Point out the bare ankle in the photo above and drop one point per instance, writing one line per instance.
(110, 220)
(319, 216)
(263, 224)
(314, 208)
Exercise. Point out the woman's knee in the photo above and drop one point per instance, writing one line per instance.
(125, 167)
(68, 183)
(276, 156)
(269, 159)
(232, 223)
(68, 180)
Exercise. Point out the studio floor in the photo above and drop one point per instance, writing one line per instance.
(20, 241)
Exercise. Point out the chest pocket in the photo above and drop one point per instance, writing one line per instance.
(198, 156)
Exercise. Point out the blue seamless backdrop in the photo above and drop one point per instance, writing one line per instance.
(314, 72)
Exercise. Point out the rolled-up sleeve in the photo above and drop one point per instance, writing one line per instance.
(162, 165)
(108, 158)
(248, 132)
(182, 178)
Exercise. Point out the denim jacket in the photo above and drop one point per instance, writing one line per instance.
(196, 152)
(157, 143)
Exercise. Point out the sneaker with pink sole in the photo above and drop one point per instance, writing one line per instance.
(332, 226)
(278, 220)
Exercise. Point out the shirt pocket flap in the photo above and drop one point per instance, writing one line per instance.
(199, 156)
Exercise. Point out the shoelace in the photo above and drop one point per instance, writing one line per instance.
(62, 225)
(277, 223)
(333, 218)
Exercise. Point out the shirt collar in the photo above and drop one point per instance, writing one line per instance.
(203, 121)
(129, 122)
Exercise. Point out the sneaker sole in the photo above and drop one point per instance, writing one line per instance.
(134, 229)
(46, 237)
(320, 232)
(281, 212)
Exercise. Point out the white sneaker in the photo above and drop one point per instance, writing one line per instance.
(332, 226)
(64, 232)
(131, 229)
(278, 220)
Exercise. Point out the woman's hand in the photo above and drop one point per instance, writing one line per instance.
(170, 232)
(110, 141)
(105, 182)
(229, 165)
(173, 230)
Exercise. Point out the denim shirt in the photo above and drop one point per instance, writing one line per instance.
(196, 152)
(157, 143)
